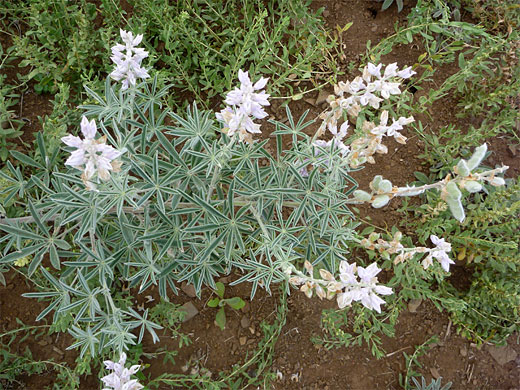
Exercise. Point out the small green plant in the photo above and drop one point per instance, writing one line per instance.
(14, 365)
(219, 301)
(411, 360)
(388, 3)
(487, 246)
(9, 125)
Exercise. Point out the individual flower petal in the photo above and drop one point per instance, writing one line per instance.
(76, 159)
(374, 70)
(88, 129)
(366, 274)
(383, 290)
(244, 77)
(71, 140)
(406, 73)
(260, 84)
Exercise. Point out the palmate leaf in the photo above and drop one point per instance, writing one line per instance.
(85, 339)
(120, 338)
(260, 273)
(199, 273)
(143, 322)
(194, 129)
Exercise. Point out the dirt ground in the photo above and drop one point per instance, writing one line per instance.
(300, 363)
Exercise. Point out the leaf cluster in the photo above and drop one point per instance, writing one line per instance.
(486, 245)
(188, 206)
(10, 125)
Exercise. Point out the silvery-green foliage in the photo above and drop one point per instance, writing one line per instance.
(186, 206)
(435, 384)
(182, 201)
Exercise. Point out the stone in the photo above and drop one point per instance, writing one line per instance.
(322, 97)
(312, 102)
(188, 289)
(244, 322)
(435, 373)
(190, 309)
(414, 304)
(502, 355)
(243, 340)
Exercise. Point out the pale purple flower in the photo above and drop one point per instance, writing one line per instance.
(244, 104)
(128, 59)
(336, 141)
(394, 129)
(440, 252)
(390, 70)
(371, 301)
(347, 272)
(91, 155)
(356, 85)
(374, 70)
(248, 98)
(364, 290)
(406, 73)
(368, 274)
(119, 379)
(440, 243)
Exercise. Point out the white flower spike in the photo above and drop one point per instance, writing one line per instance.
(128, 59)
(119, 379)
(244, 104)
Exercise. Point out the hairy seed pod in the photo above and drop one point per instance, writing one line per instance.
(456, 208)
(462, 168)
(362, 195)
(374, 184)
(385, 186)
(497, 181)
(478, 156)
(473, 186)
(380, 201)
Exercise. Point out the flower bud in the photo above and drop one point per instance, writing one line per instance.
(385, 255)
(373, 237)
(326, 275)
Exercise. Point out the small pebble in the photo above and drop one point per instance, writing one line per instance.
(244, 322)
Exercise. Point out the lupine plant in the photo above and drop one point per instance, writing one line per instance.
(160, 198)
